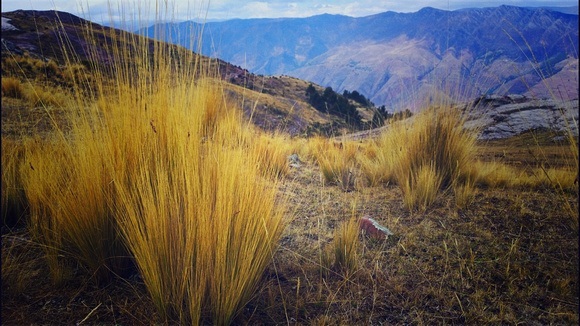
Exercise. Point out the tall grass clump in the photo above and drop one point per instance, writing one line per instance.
(559, 179)
(44, 96)
(494, 174)
(68, 191)
(12, 87)
(157, 167)
(274, 150)
(499, 175)
(195, 211)
(431, 152)
(377, 163)
(337, 161)
(40, 176)
(345, 245)
(13, 197)
(35, 95)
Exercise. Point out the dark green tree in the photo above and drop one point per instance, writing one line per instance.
(332, 103)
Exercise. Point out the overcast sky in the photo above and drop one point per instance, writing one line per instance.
(98, 10)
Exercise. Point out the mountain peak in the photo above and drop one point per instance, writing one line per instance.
(430, 10)
(327, 15)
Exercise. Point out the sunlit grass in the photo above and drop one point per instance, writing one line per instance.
(337, 161)
(43, 175)
(273, 150)
(157, 167)
(345, 246)
(377, 163)
(34, 94)
(196, 213)
(428, 154)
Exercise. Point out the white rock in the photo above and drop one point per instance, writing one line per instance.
(6, 26)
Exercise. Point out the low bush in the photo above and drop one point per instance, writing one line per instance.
(12, 87)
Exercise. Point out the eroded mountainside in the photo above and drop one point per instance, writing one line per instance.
(404, 60)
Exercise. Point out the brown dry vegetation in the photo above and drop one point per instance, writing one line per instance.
(509, 255)
(158, 204)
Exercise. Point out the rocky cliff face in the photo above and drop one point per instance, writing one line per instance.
(498, 117)
(406, 59)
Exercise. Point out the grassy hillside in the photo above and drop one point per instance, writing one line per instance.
(275, 102)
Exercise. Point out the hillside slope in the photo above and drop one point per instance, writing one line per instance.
(31, 39)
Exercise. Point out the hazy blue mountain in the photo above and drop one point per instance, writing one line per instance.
(403, 59)
(573, 10)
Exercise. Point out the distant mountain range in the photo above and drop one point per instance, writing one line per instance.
(403, 60)
(273, 103)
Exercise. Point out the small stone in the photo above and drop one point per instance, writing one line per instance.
(373, 229)
(294, 160)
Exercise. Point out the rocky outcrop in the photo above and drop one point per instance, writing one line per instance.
(498, 117)
(6, 26)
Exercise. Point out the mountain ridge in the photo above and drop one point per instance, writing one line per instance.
(462, 53)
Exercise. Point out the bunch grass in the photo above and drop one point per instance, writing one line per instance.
(431, 153)
(156, 168)
(345, 246)
(337, 161)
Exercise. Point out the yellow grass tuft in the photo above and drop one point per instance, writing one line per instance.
(45, 96)
(464, 193)
(68, 200)
(377, 162)
(428, 154)
(12, 87)
(157, 167)
(494, 175)
(273, 151)
(337, 162)
(344, 246)
(500, 175)
(41, 176)
(34, 94)
(196, 214)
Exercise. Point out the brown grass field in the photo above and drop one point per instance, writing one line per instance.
(508, 256)
(151, 199)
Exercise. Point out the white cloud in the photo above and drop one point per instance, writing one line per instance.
(259, 9)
